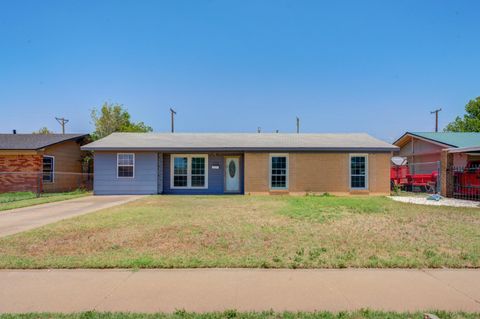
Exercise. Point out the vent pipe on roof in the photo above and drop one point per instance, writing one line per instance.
(14, 131)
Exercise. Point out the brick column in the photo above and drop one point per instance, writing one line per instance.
(446, 164)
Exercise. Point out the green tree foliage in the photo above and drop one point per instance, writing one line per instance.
(470, 121)
(114, 118)
(43, 130)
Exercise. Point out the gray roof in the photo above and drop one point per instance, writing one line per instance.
(34, 141)
(239, 142)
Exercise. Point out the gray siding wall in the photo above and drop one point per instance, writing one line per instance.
(145, 176)
(160, 173)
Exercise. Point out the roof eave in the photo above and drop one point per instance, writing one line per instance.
(422, 138)
(244, 149)
(66, 140)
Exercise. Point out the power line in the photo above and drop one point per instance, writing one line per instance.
(62, 122)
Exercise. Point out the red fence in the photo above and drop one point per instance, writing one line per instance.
(466, 182)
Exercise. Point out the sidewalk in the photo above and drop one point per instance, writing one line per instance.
(242, 289)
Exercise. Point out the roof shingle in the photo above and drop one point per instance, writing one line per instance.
(33, 141)
(238, 142)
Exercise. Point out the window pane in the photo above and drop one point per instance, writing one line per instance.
(279, 181)
(198, 165)
(125, 159)
(358, 181)
(180, 181)
(125, 171)
(198, 181)
(180, 166)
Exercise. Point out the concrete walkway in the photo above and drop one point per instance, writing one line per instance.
(242, 289)
(21, 219)
(452, 202)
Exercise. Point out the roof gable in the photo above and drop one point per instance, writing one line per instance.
(451, 139)
(34, 141)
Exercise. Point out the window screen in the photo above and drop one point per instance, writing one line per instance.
(278, 173)
(125, 165)
(358, 172)
(48, 164)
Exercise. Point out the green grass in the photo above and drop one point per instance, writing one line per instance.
(24, 199)
(254, 232)
(232, 314)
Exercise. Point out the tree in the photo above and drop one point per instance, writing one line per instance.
(114, 118)
(43, 130)
(470, 121)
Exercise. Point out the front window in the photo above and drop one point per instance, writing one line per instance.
(189, 171)
(358, 171)
(48, 165)
(125, 165)
(180, 172)
(198, 171)
(278, 171)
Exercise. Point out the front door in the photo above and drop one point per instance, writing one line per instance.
(232, 174)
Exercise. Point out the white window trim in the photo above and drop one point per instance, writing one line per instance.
(130, 177)
(350, 171)
(53, 169)
(270, 171)
(189, 171)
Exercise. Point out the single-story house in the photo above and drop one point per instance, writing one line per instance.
(426, 147)
(40, 162)
(240, 163)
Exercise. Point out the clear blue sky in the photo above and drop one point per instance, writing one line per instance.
(230, 66)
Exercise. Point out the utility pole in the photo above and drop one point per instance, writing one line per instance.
(259, 129)
(62, 122)
(172, 114)
(298, 125)
(436, 118)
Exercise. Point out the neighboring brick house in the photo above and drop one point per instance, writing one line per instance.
(241, 163)
(40, 162)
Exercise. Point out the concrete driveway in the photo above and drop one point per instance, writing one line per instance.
(242, 289)
(21, 219)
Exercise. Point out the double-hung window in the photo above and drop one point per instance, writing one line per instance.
(278, 171)
(358, 171)
(189, 171)
(126, 165)
(48, 167)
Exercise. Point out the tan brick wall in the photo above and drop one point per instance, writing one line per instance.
(256, 172)
(318, 173)
(379, 173)
(68, 166)
(20, 173)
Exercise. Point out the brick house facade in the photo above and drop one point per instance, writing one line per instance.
(23, 162)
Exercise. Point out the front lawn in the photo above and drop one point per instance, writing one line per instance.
(231, 314)
(24, 199)
(253, 231)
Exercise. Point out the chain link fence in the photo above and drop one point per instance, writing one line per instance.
(44, 183)
(464, 182)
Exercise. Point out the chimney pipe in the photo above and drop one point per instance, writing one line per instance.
(14, 131)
